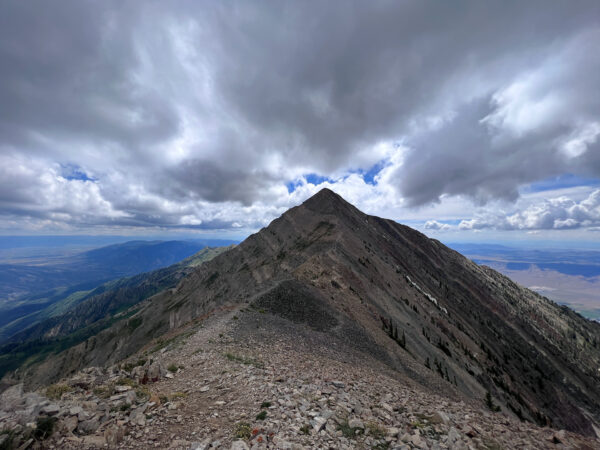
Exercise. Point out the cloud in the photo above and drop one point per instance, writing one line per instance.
(530, 126)
(436, 226)
(555, 213)
(198, 114)
(42, 192)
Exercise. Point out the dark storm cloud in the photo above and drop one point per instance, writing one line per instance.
(461, 157)
(67, 72)
(207, 180)
(163, 104)
(353, 74)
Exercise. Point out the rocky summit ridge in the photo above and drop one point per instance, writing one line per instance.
(329, 328)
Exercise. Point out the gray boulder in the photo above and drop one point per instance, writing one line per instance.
(12, 398)
(138, 373)
(239, 445)
(69, 424)
(156, 371)
(88, 426)
(137, 417)
(114, 435)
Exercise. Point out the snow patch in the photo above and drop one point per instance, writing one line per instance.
(426, 295)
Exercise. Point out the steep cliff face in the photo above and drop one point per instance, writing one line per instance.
(387, 290)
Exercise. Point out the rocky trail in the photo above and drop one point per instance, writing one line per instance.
(244, 379)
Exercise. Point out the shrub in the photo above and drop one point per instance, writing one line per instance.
(56, 391)
(103, 391)
(142, 392)
(265, 405)
(261, 415)
(242, 430)
(305, 429)
(126, 382)
(129, 366)
(44, 427)
(489, 402)
(8, 442)
(244, 360)
(172, 368)
(132, 324)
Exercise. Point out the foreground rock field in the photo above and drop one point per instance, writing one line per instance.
(237, 380)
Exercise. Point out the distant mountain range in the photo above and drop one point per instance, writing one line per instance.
(369, 285)
(92, 241)
(27, 289)
(78, 316)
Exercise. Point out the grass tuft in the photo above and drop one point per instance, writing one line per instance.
(347, 430)
(244, 360)
(375, 430)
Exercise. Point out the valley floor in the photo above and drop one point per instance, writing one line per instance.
(248, 380)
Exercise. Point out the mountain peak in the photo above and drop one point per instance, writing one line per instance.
(327, 202)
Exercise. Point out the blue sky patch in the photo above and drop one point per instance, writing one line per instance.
(566, 180)
(369, 175)
(311, 178)
(74, 172)
(316, 179)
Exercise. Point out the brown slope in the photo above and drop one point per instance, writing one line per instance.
(371, 283)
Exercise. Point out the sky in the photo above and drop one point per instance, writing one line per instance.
(467, 120)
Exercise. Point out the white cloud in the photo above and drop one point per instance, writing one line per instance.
(577, 143)
(554, 213)
(435, 225)
(34, 189)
